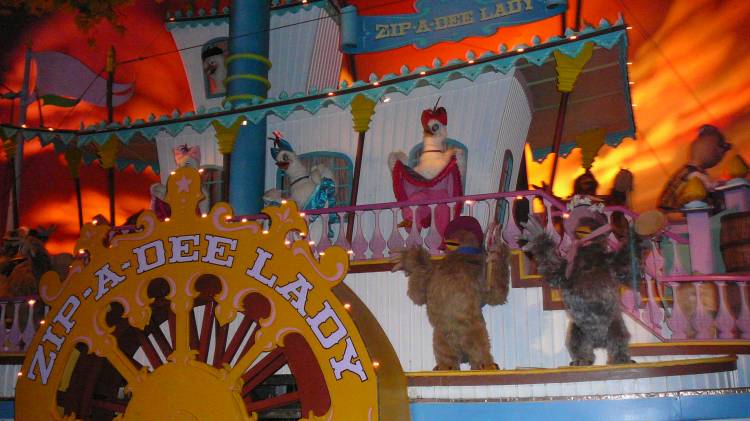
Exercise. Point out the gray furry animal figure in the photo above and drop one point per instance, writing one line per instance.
(590, 284)
(455, 289)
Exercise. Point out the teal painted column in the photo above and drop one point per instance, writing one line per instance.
(247, 80)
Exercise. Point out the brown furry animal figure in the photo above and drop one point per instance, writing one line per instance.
(455, 289)
(589, 277)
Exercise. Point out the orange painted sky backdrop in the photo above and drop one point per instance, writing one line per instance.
(691, 65)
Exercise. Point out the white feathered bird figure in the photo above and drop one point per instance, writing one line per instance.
(435, 152)
(303, 184)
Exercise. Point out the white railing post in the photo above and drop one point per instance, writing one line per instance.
(677, 322)
(14, 336)
(703, 323)
(341, 240)
(30, 330)
(433, 238)
(414, 238)
(724, 318)
(324, 242)
(359, 243)
(377, 242)
(395, 240)
(736, 194)
(653, 308)
(699, 232)
(743, 321)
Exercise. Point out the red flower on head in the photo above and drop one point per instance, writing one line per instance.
(439, 114)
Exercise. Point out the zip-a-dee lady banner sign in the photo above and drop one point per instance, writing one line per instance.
(440, 20)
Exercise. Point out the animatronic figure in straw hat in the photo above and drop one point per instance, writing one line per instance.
(706, 152)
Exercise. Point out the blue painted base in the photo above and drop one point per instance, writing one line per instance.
(6, 410)
(734, 406)
(722, 407)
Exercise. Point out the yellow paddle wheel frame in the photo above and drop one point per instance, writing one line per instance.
(267, 301)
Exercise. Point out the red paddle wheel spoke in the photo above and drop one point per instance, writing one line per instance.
(263, 369)
(114, 406)
(314, 396)
(95, 391)
(193, 332)
(239, 336)
(207, 325)
(220, 344)
(161, 340)
(250, 342)
(160, 313)
(148, 349)
(172, 319)
(272, 403)
(87, 387)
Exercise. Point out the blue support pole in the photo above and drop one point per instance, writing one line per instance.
(247, 81)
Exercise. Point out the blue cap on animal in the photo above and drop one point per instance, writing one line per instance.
(279, 144)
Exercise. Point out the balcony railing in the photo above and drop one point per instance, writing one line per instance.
(679, 297)
(20, 319)
(378, 232)
(674, 301)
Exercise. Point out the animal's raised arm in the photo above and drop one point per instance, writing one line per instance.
(320, 171)
(272, 196)
(461, 162)
(497, 276)
(396, 156)
(416, 264)
(541, 245)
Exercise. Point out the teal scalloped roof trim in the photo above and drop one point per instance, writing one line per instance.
(180, 24)
(203, 17)
(45, 136)
(89, 156)
(612, 139)
(606, 36)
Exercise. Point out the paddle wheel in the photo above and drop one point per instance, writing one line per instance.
(96, 390)
(198, 318)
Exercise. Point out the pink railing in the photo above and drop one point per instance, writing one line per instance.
(721, 306)
(676, 305)
(714, 307)
(377, 234)
(376, 231)
(689, 299)
(680, 307)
